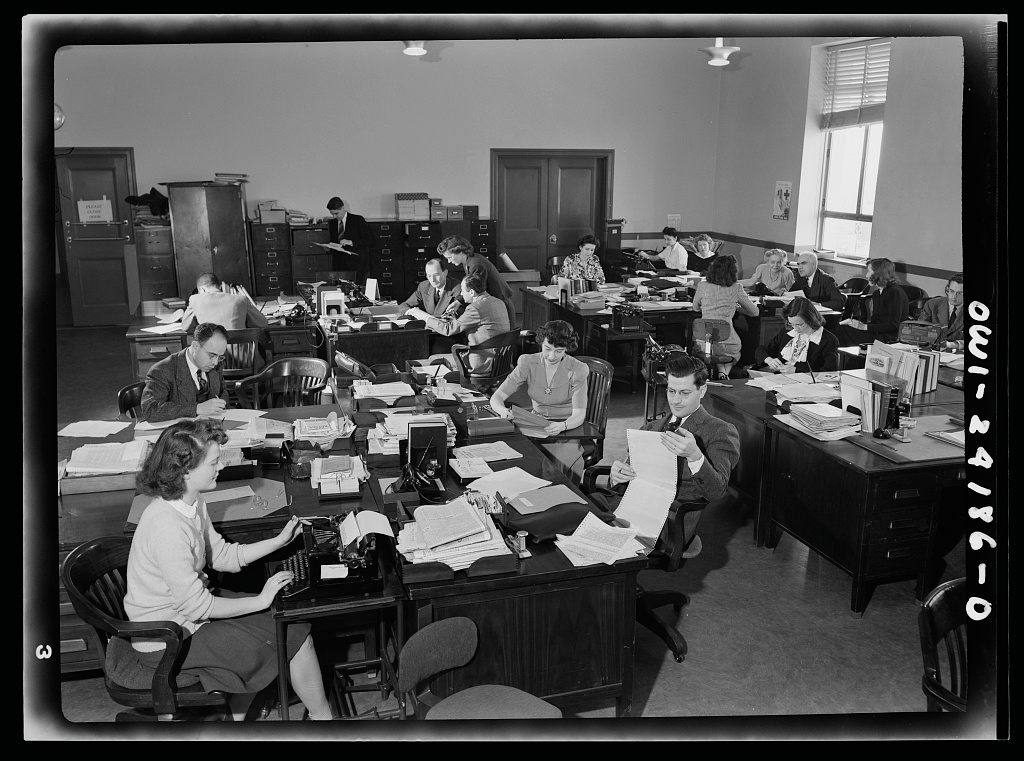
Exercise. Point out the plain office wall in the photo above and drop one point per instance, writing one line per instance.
(361, 120)
(762, 118)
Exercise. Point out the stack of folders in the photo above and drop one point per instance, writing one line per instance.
(867, 393)
(385, 437)
(529, 423)
(386, 392)
(824, 418)
(456, 534)
(807, 392)
(919, 369)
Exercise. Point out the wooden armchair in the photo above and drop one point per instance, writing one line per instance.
(129, 399)
(502, 351)
(95, 577)
(599, 387)
(288, 382)
(943, 619)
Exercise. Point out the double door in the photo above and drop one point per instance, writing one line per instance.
(548, 200)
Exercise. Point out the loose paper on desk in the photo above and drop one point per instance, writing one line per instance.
(510, 483)
(539, 500)
(336, 466)
(596, 542)
(357, 525)
(243, 415)
(470, 467)
(173, 317)
(114, 457)
(239, 492)
(92, 428)
(441, 524)
(458, 393)
(650, 494)
(161, 329)
(492, 452)
(145, 425)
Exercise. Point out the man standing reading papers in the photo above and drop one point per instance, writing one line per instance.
(707, 450)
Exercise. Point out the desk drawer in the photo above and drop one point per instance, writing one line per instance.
(156, 349)
(894, 492)
(291, 342)
(272, 285)
(902, 525)
(270, 237)
(897, 558)
(156, 268)
(271, 263)
(153, 241)
(310, 264)
(157, 290)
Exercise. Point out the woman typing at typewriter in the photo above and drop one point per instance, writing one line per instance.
(230, 636)
(808, 346)
(557, 386)
(673, 256)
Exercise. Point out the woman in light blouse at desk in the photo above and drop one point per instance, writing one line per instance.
(808, 346)
(584, 264)
(718, 298)
(674, 256)
(557, 386)
(772, 273)
(230, 637)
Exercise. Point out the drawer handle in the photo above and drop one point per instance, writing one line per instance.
(270, 229)
(906, 493)
(903, 552)
(155, 267)
(271, 254)
(902, 523)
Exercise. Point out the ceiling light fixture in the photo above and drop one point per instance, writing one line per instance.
(719, 52)
(414, 47)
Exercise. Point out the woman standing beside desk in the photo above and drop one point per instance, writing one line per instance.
(887, 307)
(557, 386)
(231, 638)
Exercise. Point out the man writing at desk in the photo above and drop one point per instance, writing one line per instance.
(233, 311)
(708, 449)
(188, 383)
(817, 286)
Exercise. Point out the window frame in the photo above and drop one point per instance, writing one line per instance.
(857, 216)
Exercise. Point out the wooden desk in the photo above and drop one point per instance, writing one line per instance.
(384, 345)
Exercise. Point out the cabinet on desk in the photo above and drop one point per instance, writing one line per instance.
(148, 351)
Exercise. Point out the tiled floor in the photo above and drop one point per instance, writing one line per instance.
(770, 633)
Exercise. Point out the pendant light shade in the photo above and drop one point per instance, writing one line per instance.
(719, 53)
(414, 47)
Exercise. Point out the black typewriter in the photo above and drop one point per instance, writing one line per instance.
(655, 357)
(324, 568)
(627, 318)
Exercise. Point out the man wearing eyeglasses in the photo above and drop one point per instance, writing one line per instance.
(948, 311)
(188, 383)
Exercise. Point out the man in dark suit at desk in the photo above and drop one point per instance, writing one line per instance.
(352, 232)
(948, 311)
(708, 449)
(435, 294)
(817, 286)
(188, 383)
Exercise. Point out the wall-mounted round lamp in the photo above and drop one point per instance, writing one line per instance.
(719, 52)
(58, 116)
(414, 47)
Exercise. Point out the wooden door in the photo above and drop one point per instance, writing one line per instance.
(96, 231)
(547, 200)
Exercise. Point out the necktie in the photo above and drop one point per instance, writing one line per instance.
(673, 423)
(204, 385)
(952, 317)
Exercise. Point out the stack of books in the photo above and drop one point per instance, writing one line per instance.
(230, 177)
(824, 418)
(456, 534)
(867, 393)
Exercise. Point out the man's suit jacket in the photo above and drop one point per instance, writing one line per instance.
(719, 442)
(170, 391)
(483, 319)
(233, 311)
(359, 232)
(937, 310)
(822, 291)
(425, 297)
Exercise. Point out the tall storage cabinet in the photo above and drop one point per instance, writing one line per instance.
(208, 226)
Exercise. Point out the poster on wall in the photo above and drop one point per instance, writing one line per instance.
(783, 196)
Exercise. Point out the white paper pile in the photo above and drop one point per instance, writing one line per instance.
(824, 417)
(491, 452)
(92, 428)
(386, 392)
(384, 438)
(596, 542)
(321, 431)
(456, 534)
(114, 457)
(808, 392)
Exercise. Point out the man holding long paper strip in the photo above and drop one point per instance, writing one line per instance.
(707, 448)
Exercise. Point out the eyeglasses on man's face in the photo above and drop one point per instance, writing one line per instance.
(213, 357)
(954, 292)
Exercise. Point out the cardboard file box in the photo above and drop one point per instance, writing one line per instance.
(470, 212)
(438, 212)
(454, 212)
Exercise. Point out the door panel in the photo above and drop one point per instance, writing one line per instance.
(573, 203)
(190, 229)
(96, 250)
(524, 188)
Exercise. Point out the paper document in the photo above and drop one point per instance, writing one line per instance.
(173, 317)
(510, 483)
(161, 329)
(470, 467)
(596, 542)
(108, 458)
(956, 438)
(539, 500)
(239, 492)
(441, 524)
(144, 425)
(92, 428)
(335, 571)
(336, 247)
(357, 525)
(650, 495)
(244, 416)
(491, 452)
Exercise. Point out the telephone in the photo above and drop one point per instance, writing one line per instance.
(298, 316)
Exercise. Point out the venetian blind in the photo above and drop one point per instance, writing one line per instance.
(856, 77)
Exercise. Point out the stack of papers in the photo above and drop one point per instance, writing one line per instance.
(770, 381)
(384, 438)
(493, 452)
(509, 483)
(386, 392)
(838, 433)
(96, 459)
(470, 467)
(824, 417)
(956, 438)
(595, 542)
(336, 468)
(92, 429)
(807, 392)
(318, 430)
(456, 534)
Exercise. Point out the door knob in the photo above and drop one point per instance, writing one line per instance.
(552, 239)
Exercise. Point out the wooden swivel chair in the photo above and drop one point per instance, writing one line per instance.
(943, 619)
(502, 348)
(554, 266)
(448, 644)
(129, 399)
(241, 356)
(95, 576)
(713, 332)
(915, 299)
(599, 388)
(288, 382)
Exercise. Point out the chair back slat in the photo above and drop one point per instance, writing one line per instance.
(943, 619)
(93, 575)
(129, 398)
(282, 383)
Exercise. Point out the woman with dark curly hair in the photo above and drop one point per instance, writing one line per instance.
(230, 637)
(887, 305)
(584, 264)
(557, 386)
(807, 346)
(701, 259)
(718, 298)
(459, 253)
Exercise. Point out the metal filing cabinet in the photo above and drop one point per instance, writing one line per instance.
(386, 260)
(421, 239)
(157, 278)
(483, 234)
(271, 258)
(307, 257)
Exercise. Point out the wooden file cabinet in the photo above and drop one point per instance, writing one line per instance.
(157, 274)
(271, 258)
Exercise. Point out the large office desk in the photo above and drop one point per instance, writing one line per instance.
(873, 518)
(852, 357)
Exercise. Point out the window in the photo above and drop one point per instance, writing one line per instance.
(856, 76)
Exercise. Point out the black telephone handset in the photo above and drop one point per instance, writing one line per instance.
(298, 316)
